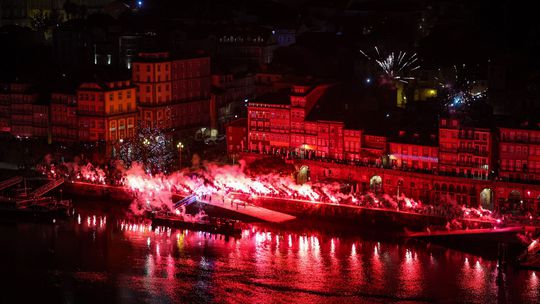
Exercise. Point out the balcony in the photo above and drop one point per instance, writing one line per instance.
(468, 164)
(473, 151)
(448, 150)
(464, 175)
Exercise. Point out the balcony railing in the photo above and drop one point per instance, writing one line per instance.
(470, 164)
(472, 151)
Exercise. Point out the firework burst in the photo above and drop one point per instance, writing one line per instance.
(396, 65)
(460, 89)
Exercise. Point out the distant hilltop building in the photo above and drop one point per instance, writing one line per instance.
(19, 12)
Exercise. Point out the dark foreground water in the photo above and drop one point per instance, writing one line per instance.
(104, 259)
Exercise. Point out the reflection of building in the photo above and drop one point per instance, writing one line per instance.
(172, 93)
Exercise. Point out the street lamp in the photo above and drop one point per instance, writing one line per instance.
(180, 146)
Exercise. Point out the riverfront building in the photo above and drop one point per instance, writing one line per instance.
(172, 93)
(315, 125)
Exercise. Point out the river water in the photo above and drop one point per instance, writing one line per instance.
(98, 257)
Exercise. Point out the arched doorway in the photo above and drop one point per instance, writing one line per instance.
(375, 183)
(303, 175)
(486, 199)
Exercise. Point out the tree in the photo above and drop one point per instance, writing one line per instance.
(150, 147)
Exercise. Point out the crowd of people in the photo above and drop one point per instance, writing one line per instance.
(113, 173)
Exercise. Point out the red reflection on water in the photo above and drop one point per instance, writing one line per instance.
(262, 266)
(410, 274)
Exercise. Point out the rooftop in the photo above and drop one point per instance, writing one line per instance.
(280, 97)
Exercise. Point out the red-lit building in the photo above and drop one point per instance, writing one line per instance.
(40, 120)
(352, 145)
(269, 123)
(519, 153)
(464, 149)
(414, 151)
(5, 108)
(23, 112)
(237, 135)
(64, 119)
(285, 121)
(172, 93)
(374, 146)
(107, 110)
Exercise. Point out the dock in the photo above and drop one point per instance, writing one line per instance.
(494, 233)
(244, 208)
(10, 182)
(46, 188)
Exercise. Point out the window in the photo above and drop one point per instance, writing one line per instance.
(111, 108)
(111, 97)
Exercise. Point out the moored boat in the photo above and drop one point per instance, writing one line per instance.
(34, 208)
(531, 257)
(212, 225)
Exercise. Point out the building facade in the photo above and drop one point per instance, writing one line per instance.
(64, 118)
(279, 122)
(416, 156)
(519, 154)
(172, 93)
(107, 111)
(465, 150)
(237, 135)
(23, 113)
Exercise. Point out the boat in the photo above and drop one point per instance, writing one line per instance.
(531, 257)
(34, 208)
(222, 226)
(32, 205)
